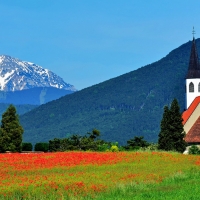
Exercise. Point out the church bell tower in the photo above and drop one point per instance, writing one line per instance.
(193, 76)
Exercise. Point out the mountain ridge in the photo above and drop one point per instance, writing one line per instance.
(19, 75)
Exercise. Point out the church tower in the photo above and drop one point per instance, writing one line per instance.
(193, 76)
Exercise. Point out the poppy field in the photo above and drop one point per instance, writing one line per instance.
(88, 175)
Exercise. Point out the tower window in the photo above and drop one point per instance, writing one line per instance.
(191, 87)
(199, 87)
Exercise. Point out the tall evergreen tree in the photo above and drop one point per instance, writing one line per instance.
(171, 136)
(11, 131)
(164, 140)
(176, 127)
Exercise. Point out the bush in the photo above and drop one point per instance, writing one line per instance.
(42, 147)
(55, 145)
(152, 147)
(194, 150)
(103, 147)
(27, 146)
(114, 148)
(121, 148)
(136, 143)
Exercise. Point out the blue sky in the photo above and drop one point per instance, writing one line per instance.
(89, 41)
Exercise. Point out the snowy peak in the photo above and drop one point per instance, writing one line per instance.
(19, 75)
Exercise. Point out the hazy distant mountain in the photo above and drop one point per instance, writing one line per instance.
(121, 108)
(33, 96)
(19, 75)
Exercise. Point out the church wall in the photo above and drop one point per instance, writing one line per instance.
(190, 96)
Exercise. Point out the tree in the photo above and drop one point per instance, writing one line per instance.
(171, 136)
(54, 145)
(11, 131)
(27, 146)
(137, 142)
(90, 141)
(95, 134)
(42, 146)
(176, 126)
(164, 140)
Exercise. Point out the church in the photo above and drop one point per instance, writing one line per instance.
(191, 116)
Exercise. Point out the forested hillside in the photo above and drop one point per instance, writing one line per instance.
(121, 108)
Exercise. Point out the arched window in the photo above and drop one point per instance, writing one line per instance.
(199, 87)
(191, 87)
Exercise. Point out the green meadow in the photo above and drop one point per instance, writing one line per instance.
(95, 175)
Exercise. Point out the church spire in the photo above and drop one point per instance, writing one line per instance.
(193, 32)
(194, 67)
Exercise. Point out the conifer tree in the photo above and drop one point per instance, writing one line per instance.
(176, 127)
(11, 131)
(164, 140)
(171, 136)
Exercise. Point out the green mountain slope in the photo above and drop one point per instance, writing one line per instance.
(121, 108)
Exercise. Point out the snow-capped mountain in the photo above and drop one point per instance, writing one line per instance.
(19, 75)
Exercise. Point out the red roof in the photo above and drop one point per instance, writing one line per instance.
(186, 114)
(193, 136)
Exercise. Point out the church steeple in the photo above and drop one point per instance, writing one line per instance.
(194, 67)
(192, 81)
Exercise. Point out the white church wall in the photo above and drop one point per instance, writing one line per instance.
(190, 96)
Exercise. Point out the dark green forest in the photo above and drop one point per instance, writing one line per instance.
(121, 108)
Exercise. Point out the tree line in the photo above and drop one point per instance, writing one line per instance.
(171, 136)
(11, 139)
(88, 142)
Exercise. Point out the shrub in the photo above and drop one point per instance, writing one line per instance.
(152, 147)
(42, 146)
(103, 147)
(27, 146)
(194, 150)
(55, 144)
(136, 143)
(121, 148)
(114, 148)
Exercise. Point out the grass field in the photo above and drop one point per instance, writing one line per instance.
(89, 175)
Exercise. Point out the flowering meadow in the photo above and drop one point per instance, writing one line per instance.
(85, 175)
